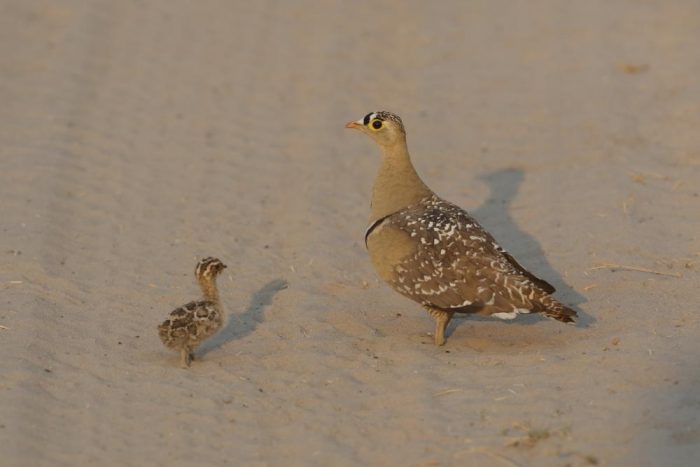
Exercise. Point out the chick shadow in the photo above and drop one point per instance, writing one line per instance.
(240, 325)
(494, 215)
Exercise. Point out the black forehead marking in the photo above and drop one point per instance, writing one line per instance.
(384, 116)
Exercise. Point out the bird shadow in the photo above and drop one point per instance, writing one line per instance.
(240, 325)
(494, 215)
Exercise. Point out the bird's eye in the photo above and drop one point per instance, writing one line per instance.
(376, 124)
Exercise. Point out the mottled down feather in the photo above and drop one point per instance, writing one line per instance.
(190, 324)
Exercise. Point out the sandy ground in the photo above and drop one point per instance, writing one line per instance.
(136, 137)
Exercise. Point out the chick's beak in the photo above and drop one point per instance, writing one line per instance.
(356, 124)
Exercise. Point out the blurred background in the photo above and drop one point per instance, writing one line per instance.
(136, 137)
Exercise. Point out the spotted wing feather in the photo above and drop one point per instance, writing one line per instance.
(458, 266)
(541, 283)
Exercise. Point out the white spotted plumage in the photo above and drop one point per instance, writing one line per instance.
(458, 266)
(433, 252)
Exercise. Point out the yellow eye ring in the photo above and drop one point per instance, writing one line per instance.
(376, 124)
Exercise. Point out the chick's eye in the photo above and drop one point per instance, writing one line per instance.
(377, 124)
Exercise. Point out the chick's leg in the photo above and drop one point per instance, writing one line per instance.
(185, 357)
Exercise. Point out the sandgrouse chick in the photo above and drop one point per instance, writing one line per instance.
(190, 324)
(434, 252)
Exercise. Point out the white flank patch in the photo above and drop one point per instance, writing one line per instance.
(510, 315)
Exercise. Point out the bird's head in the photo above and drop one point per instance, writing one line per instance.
(209, 268)
(385, 128)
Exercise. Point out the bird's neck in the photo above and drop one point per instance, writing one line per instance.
(397, 184)
(209, 290)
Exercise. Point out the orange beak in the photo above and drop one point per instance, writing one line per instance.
(357, 125)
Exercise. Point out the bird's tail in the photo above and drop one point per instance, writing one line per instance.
(551, 308)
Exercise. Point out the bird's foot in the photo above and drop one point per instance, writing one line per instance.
(440, 340)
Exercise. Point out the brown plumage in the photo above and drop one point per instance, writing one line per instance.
(433, 252)
(192, 323)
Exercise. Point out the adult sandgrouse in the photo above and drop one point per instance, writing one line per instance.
(433, 252)
(188, 325)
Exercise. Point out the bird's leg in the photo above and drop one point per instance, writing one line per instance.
(185, 357)
(442, 319)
